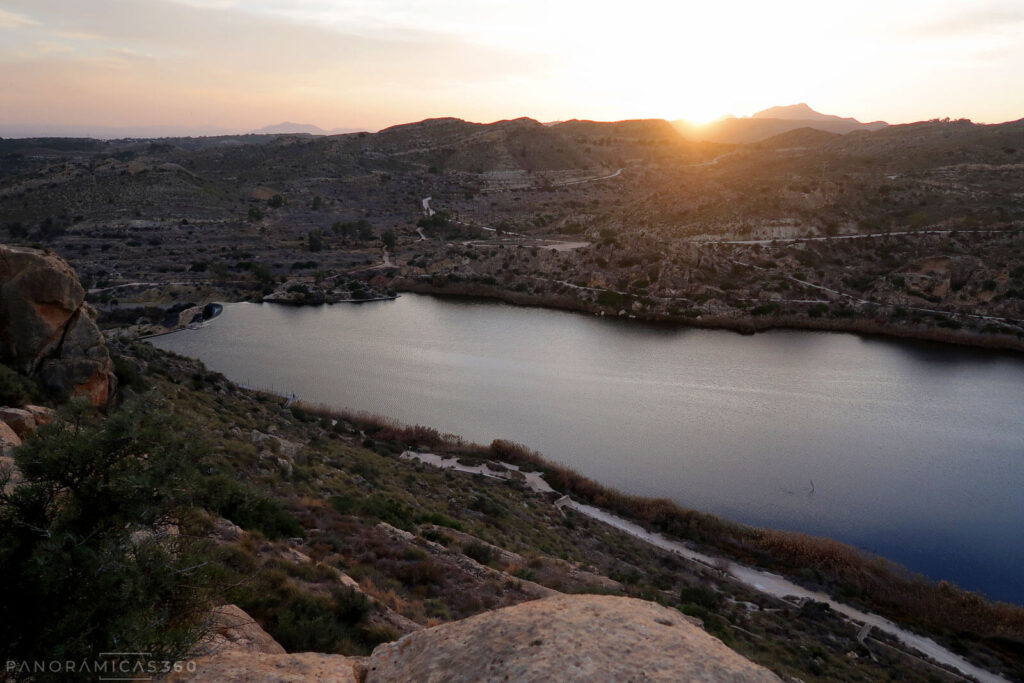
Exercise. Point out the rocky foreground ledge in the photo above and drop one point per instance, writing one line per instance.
(561, 638)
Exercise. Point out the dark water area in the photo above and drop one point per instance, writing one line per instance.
(912, 451)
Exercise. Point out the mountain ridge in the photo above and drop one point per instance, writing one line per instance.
(770, 122)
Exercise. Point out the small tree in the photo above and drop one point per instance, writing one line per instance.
(389, 238)
(84, 543)
(276, 202)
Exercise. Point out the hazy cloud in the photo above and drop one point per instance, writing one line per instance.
(9, 20)
(974, 20)
(47, 47)
(246, 63)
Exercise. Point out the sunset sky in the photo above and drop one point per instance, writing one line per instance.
(242, 64)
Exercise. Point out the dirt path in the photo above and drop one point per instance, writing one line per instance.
(588, 180)
(850, 237)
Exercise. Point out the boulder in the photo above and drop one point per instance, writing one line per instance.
(10, 475)
(46, 329)
(9, 439)
(20, 420)
(565, 638)
(237, 649)
(239, 666)
(42, 415)
(39, 294)
(231, 627)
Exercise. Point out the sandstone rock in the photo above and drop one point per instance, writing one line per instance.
(233, 628)
(21, 421)
(568, 637)
(289, 449)
(239, 666)
(9, 439)
(84, 365)
(9, 474)
(238, 649)
(42, 415)
(563, 638)
(39, 293)
(226, 531)
(47, 329)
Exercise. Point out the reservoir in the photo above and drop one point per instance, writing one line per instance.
(912, 451)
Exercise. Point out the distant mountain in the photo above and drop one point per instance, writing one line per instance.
(29, 130)
(771, 122)
(287, 127)
(290, 128)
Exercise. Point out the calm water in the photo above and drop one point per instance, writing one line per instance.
(912, 451)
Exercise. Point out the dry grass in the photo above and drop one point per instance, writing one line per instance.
(388, 598)
(890, 587)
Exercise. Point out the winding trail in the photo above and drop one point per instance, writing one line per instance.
(758, 579)
(589, 180)
(829, 238)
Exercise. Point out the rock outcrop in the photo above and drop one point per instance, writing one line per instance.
(238, 649)
(561, 638)
(567, 637)
(47, 329)
(9, 439)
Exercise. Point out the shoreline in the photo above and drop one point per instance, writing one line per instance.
(743, 326)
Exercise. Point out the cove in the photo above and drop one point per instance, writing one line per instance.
(912, 451)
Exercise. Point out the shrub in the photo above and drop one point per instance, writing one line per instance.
(478, 551)
(303, 622)
(249, 510)
(610, 299)
(15, 390)
(81, 544)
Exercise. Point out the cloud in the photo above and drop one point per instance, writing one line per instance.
(47, 47)
(974, 20)
(124, 53)
(10, 20)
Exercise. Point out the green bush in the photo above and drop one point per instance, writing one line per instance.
(478, 551)
(610, 298)
(699, 595)
(80, 544)
(249, 510)
(302, 622)
(15, 390)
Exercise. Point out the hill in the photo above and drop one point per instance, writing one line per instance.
(770, 122)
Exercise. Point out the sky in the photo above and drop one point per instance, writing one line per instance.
(238, 65)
